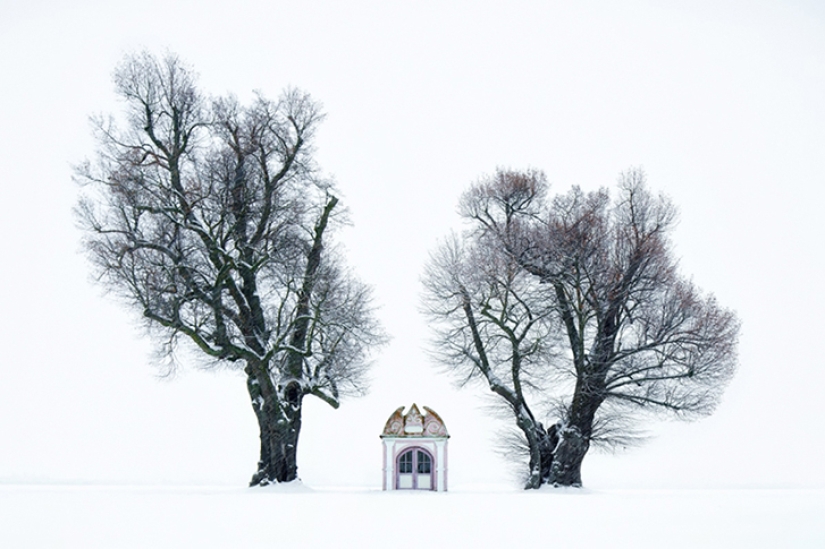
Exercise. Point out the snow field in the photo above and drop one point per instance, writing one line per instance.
(87, 516)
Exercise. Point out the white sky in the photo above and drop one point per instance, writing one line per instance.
(720, 102)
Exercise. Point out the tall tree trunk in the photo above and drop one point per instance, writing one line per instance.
(279, 432)
(279, 409)
(279, 424)
(574, 435)
(285, 434)
(566, 468)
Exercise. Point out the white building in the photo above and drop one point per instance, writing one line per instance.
(415, 451)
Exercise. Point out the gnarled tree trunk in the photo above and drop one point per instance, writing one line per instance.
(279, 423)
(566, 468)
(575, 433)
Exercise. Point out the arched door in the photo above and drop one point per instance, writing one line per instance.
(415, 468)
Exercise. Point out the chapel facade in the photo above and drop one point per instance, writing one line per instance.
(415, 451)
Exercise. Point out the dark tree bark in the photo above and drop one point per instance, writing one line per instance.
(279, 422)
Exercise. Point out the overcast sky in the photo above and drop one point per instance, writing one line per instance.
(720, 102)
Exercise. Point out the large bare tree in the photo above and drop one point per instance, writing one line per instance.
(211, 219)
(576, 299)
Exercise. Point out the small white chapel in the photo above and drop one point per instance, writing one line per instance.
(415, 451)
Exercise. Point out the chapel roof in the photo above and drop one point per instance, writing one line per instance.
(415, 424)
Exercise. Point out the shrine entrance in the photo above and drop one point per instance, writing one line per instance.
(415, 470)
(415, 451)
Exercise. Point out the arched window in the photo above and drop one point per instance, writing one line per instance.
(415, 470)
(424, 463)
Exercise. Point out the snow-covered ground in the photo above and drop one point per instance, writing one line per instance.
(91, 516)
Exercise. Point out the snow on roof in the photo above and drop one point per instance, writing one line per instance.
(415, 424)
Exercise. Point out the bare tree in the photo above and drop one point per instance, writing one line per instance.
(598, 277)
(211, 219)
